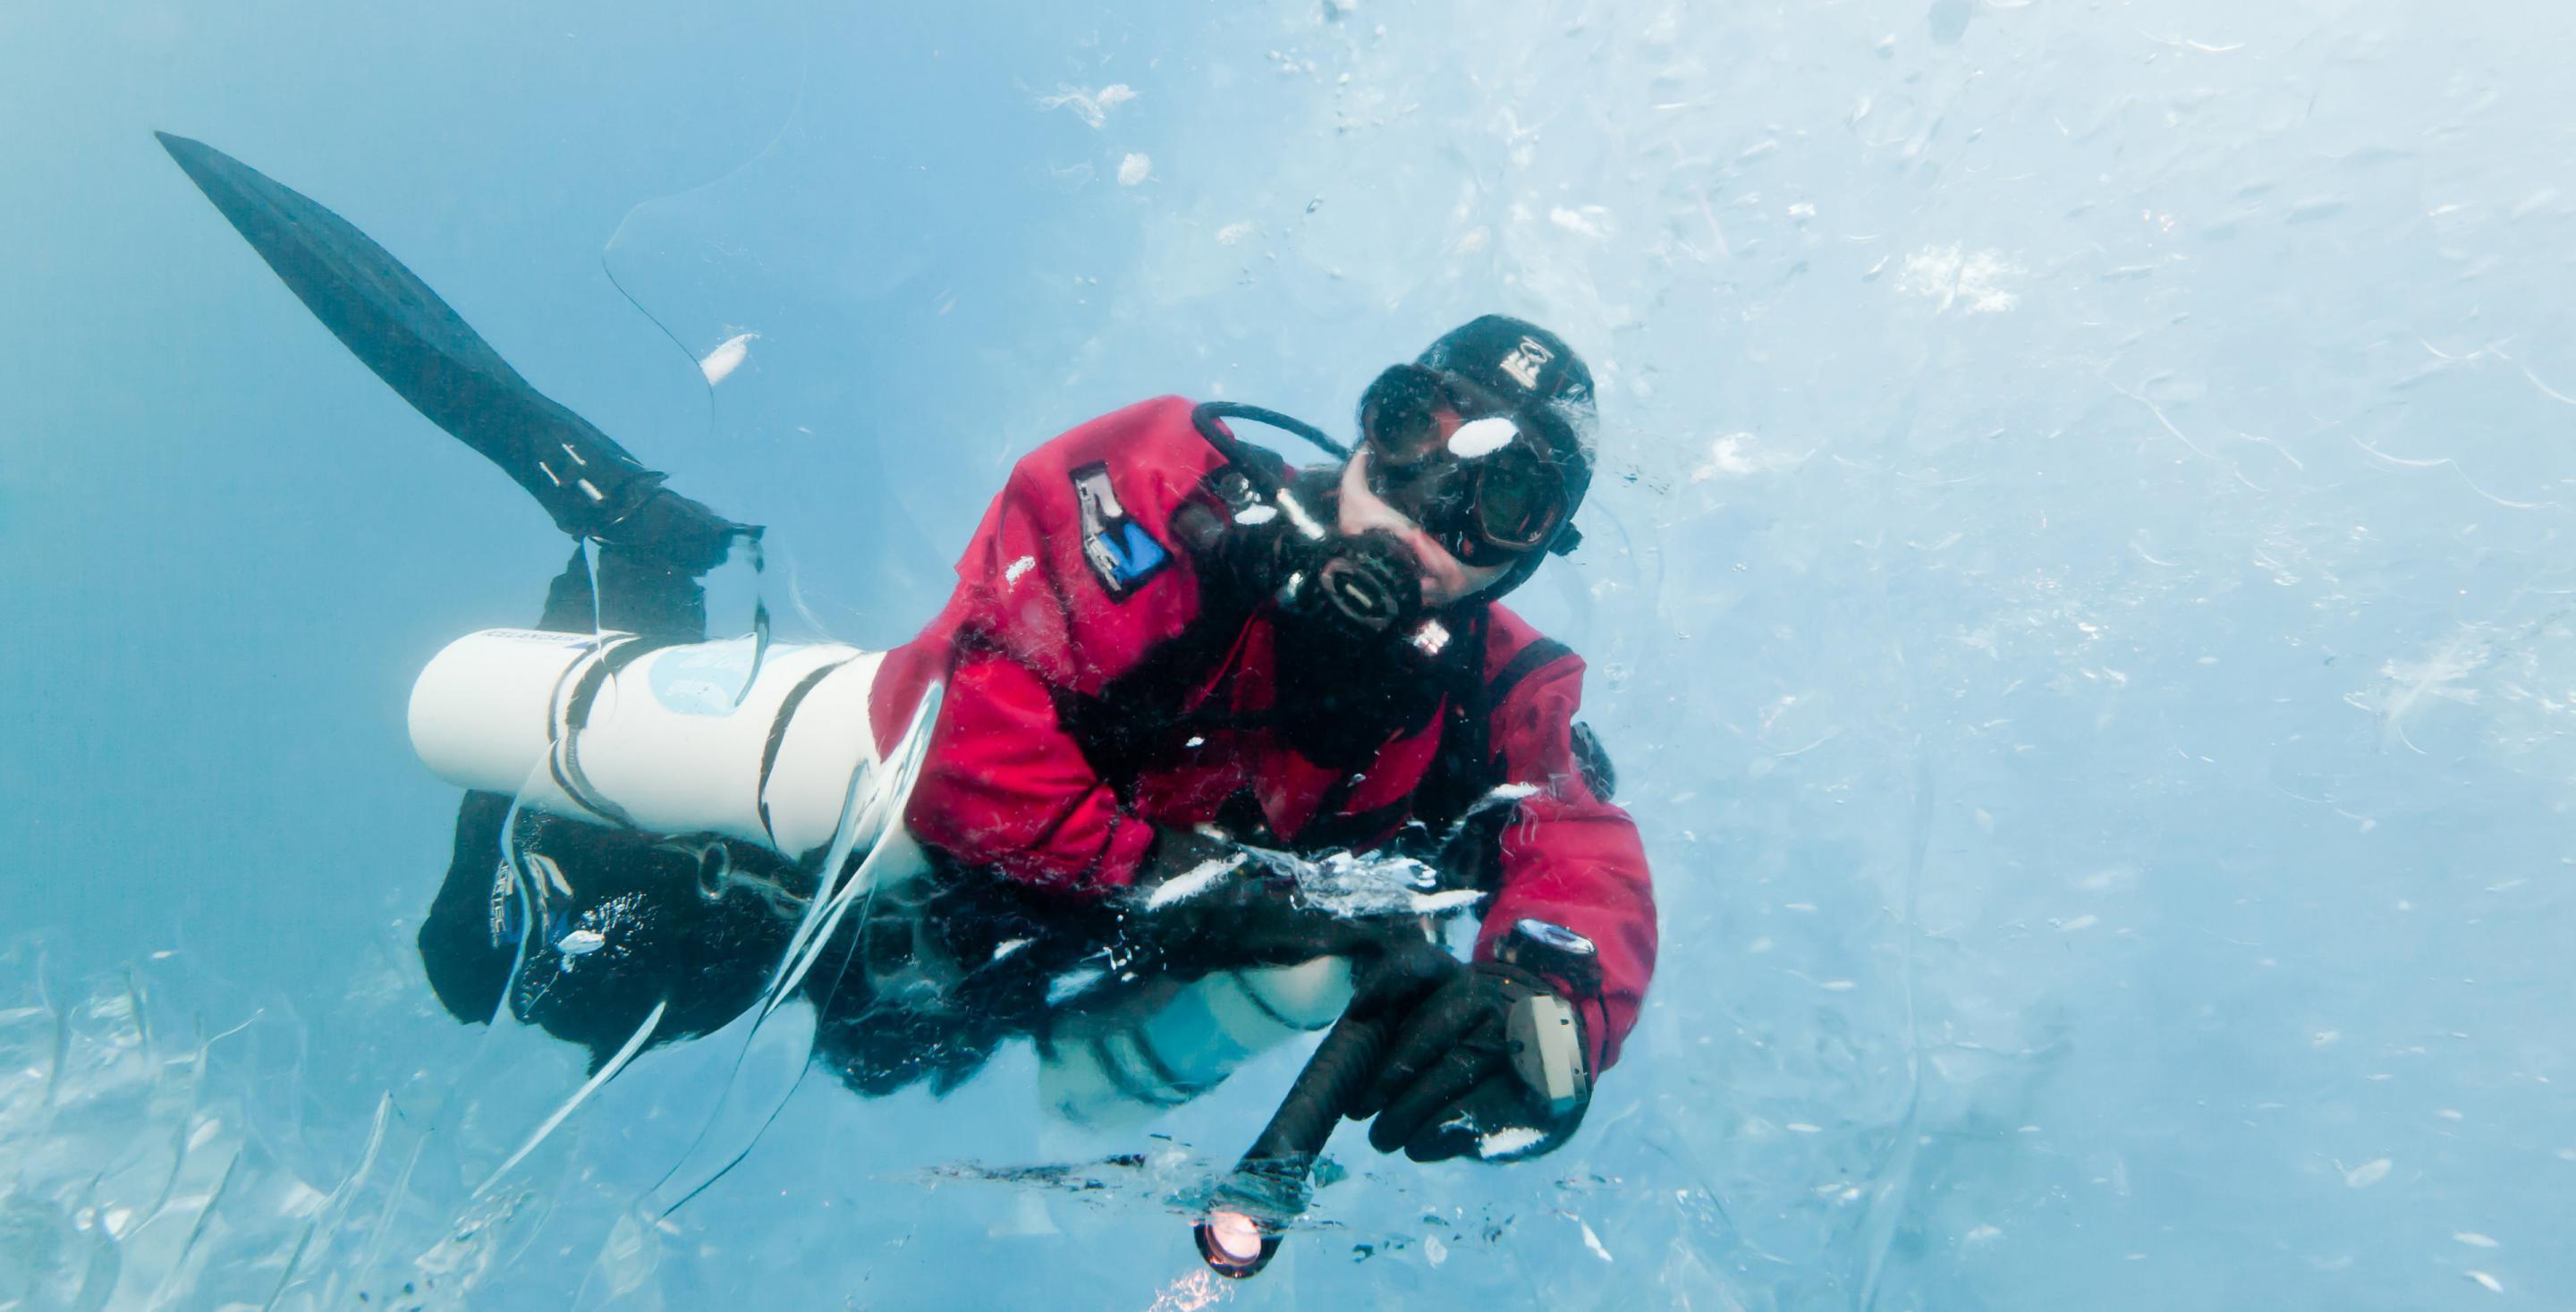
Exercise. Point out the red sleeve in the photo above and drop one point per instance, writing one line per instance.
(1569, 857)
(1004, 786)
(1037, 616)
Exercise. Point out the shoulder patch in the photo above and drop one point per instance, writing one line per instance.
(1121, 553)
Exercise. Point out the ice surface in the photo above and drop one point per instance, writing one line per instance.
(1191, 882)
(1367, 884)
(2077, 590)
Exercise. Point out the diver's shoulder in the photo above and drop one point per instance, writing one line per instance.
(1152, 431)
(1514, 644)
(1153, 414)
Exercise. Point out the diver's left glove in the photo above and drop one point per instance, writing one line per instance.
(1489, 1065)
(1201, 903)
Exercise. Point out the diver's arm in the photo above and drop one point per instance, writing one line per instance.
(1495, 1060)
(1571, 858)
(1077, 573)
(1005, 787)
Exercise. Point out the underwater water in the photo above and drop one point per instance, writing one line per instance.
(2079, 595)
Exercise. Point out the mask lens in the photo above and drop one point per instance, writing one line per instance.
(1400, 411)
(1485, 509)
(1519, 501)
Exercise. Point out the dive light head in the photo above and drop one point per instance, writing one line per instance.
(1233, 1244)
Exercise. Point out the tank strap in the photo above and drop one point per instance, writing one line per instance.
(563, 731)
(778, 736)
(1244, 989)
(1167, 1089)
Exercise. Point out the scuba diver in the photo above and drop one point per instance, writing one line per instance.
(1176, 679)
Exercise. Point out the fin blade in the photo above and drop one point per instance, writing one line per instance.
(399, 328)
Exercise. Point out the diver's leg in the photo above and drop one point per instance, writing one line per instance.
(615, 924)
(623, 928)
(634, 594)
(464, 944)
(461, 946)
(924, 988)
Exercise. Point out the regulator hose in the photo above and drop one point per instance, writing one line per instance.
(1204, 418)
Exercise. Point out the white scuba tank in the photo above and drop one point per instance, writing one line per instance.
(693, 740)
(674, 740)
(1116, 1068)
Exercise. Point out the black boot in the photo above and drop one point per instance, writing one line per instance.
(645, 596)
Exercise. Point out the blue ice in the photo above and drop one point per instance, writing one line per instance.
(2079, 596)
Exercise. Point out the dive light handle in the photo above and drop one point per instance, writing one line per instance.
(1268, 1187)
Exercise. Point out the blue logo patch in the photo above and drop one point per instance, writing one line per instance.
(1121, 553)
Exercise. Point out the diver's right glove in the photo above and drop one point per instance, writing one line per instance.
(1201, 903)
(1468, 1074)
(1487, 1060)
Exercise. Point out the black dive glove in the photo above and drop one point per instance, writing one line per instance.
(1200, 904)
(1489, 1065)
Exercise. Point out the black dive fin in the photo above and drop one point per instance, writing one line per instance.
(393, 322)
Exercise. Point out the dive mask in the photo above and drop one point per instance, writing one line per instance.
(1489, 492)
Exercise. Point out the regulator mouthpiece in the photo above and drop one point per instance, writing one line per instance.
(1365, 591)
(1368, 585)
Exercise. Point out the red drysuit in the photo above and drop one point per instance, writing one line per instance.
(1076, 578)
